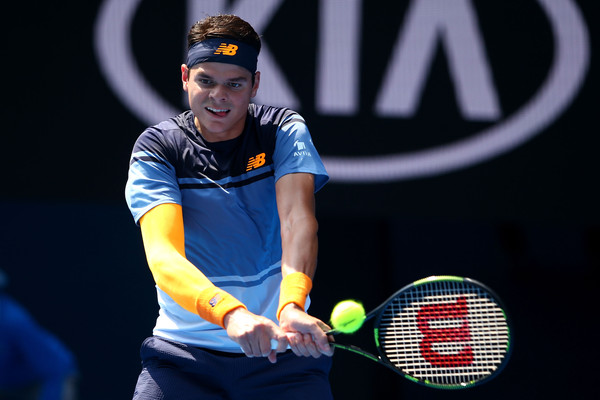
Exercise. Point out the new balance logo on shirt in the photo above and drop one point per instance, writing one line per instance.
(256, 161)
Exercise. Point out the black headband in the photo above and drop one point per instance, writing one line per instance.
(223, 50)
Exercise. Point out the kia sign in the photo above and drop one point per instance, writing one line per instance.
(341, 50)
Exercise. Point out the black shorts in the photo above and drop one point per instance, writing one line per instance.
(175, 371)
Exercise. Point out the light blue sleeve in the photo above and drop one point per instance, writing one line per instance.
(296, 152)
(151, 181)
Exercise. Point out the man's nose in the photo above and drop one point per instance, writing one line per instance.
(219, 93)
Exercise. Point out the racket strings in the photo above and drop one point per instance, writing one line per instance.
(445, 332)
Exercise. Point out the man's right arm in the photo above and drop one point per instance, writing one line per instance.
(164, 243)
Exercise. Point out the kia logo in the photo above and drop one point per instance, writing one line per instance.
(427, 23)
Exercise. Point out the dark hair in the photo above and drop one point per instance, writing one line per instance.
(224, 26)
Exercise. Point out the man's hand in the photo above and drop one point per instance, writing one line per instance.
(306, 334)
(254, 333)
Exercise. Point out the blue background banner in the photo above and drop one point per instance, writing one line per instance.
(461, 137)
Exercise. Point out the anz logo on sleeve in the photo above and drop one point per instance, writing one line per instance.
(426, 26)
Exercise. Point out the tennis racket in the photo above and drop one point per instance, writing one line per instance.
(444, 332)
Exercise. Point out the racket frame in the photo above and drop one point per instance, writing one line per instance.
(382, 357)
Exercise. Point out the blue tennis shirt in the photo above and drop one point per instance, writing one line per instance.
(227, 193)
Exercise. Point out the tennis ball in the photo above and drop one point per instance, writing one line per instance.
(347, 316)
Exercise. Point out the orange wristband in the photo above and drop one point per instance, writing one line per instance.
(295, 287)
(214, 303)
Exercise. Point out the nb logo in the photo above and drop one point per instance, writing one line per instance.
(215, 300)
(226, 49)
(255, 162)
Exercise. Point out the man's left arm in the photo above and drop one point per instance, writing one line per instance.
(296, 207)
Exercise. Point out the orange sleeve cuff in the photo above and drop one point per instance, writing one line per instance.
(295, 287)
(214, 303)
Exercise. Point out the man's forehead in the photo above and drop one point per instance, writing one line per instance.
(222, 70)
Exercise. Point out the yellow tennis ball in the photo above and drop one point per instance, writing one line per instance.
(347, 316)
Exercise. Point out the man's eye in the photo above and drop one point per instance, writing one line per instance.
(235, 85)
(205, 82)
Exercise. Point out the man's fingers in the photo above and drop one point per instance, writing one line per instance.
(324, 327)
(306, 334)
(283, 345)
(296, 344)
(311, 345)
(246, 348)
(272, 357)
(256, 335)
(303, 345)
(323, 343)
(320, 339)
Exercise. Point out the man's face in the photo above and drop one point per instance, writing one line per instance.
(219, 95)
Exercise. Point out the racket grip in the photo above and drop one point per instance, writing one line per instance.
(274, 345)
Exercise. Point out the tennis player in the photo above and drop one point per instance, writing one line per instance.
(224, 196)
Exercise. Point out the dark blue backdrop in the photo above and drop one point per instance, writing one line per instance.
(526, 222)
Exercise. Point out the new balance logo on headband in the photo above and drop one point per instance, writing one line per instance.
(217, 50)
(226, 49)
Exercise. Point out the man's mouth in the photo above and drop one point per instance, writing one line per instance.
(217, 111)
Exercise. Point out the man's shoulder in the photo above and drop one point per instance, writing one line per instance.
(167, 132)
(178, 124)
(272, 116)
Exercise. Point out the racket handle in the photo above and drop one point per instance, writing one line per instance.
(274, 344)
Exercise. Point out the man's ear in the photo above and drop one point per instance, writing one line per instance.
(185, 76)
(256, 84)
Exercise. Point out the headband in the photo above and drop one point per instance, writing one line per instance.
(223, 50)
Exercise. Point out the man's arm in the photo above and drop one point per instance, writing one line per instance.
(164, 243)
(296, 206)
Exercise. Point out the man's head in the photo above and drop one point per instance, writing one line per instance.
(224, 38)
(224, 26)
(220, 74)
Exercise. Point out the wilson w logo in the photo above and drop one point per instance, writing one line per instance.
(226, 49)
(255, 162)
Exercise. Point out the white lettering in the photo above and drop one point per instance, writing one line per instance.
(454, 23)
(302, 153)
(408, 68)
(338, 62)
(113, 46)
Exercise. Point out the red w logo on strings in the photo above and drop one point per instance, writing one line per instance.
(456, 313)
